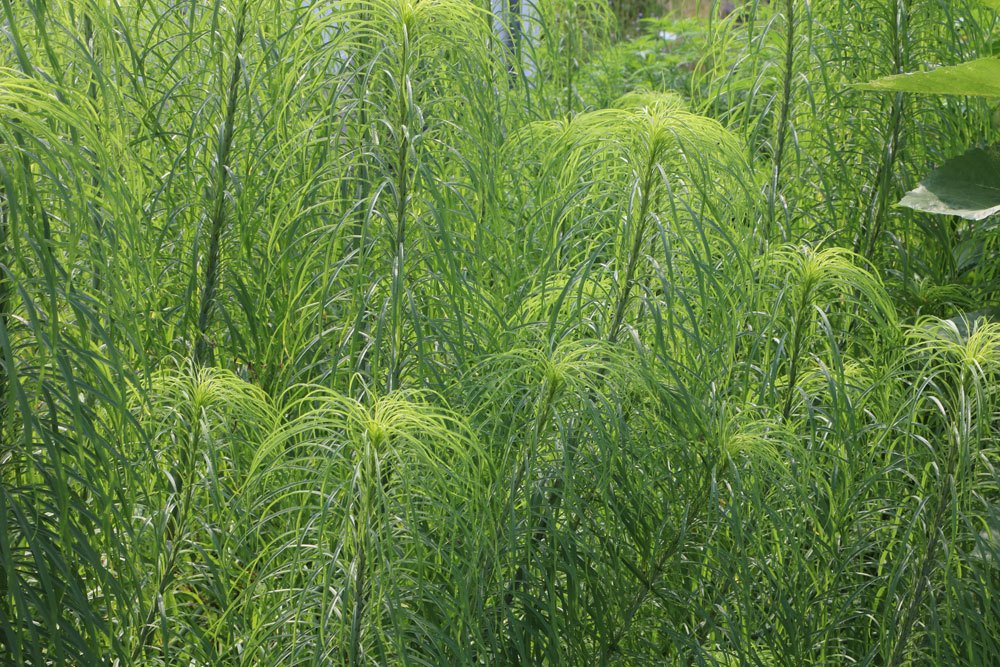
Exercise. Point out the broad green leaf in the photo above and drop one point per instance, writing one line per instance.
(992, 4)
(966, 186)
(976, 78)
(967, 254)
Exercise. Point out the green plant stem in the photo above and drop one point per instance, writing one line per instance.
(635, 252)
(88, 38)
(570, 64)
(360, 597)
(370, 489)
(554, 497)
(217, 216)
(796, 348)
(6, 292)
(647, 583)
(174, 533)
(784, 115)
(878, 209)
(402, 212)
(542, 418)
(928, 562)
(357, 242)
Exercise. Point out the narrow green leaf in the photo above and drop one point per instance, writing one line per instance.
(976, 78)
(963, 322)
(966, 186)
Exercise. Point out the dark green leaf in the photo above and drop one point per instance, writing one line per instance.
(968, 253)
(967, 186)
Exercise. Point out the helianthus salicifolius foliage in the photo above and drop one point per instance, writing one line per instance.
(408, 332)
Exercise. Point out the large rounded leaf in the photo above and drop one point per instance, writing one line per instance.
(967, 186)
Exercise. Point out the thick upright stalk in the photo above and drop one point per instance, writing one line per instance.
(88, 38)
(173, 535)
(358, 238)
(570, 33)
(648, 581)
(930, 556)
(217, 214)
(505, 22)
(542, 417)
(796, 348)
(370, 488)
(397, 357)
(360, 599)
(5, 293)
(926, 566)
(628, 284)
(878, 208)
(784, 114)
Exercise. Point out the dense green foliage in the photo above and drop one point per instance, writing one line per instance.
(340, 334)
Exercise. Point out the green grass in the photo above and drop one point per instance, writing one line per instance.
(343, 335)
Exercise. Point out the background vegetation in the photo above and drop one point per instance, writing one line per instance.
(341, 333)
(631, 12)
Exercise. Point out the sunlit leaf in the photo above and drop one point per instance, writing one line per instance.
(977, 78)
(963, 321)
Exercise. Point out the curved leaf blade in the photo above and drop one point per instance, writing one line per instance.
(976, 78)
